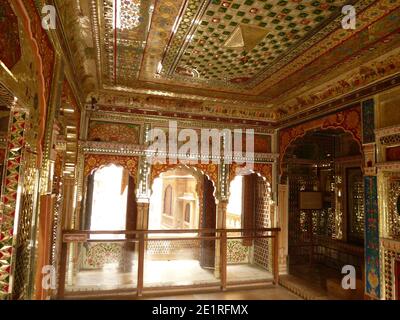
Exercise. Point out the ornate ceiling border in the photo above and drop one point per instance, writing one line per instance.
(122, 149)
(340, 103)
(362, 46)
(184, 120)
(384, 64)
(189, 106)
(366, 17)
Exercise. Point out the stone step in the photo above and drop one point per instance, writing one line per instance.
(303, 288)
(334, 287)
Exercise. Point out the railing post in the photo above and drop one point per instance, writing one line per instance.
(223, 264)
(62, 270)
(275, 240)
(140, 265)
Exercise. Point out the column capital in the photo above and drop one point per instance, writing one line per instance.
(143, 201)
(222, 202)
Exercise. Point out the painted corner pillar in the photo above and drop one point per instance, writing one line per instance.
(143, 184)
(220, 257)
(372, 261)
(69, 218)
(283, 223)
(10, 196)
(143, 205)
(222, 198)
(371, 209)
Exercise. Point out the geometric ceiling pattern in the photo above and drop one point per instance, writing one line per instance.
(201, 52)
(125, 32)
(257, 59)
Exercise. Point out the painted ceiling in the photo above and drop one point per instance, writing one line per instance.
(270, 57)
(206, 52)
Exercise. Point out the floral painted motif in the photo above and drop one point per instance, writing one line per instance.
(114, 132)
(211, 170)
(95, 161)
(236, 252)
(368, 114)
(10, 49)
(372, 263)
(263, 169)
(46, 50)
(96, 256)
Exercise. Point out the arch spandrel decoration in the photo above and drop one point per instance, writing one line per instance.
(263, 169)
(95, 161)
(349, 120)
(210, 169)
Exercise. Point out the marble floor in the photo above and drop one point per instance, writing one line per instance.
(163, 274)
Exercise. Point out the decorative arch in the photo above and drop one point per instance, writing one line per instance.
(96, 161)
(348, 120)
(264, 170)
(210, 170)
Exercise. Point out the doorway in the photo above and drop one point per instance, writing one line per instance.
(326, 213)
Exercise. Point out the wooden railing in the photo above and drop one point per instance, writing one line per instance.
(324, 249)
(142, 236)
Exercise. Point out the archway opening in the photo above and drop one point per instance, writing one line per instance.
(108, 258)
(326, 210)
(249, 208)
(234, 208)
(108, 200)
(182, 204)
(175, 202)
